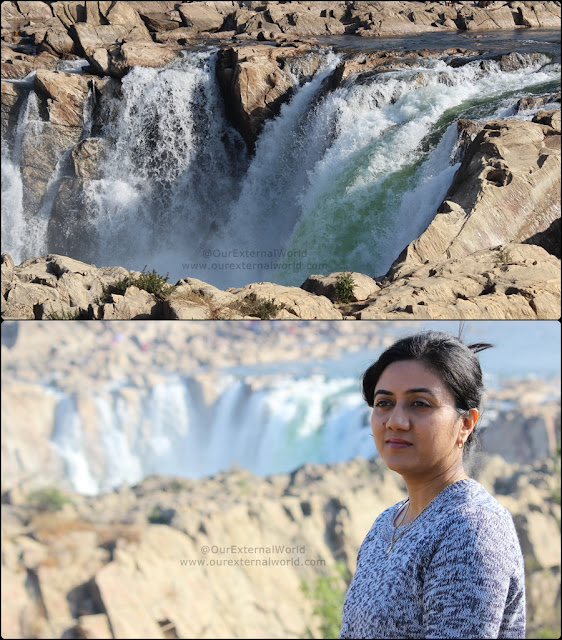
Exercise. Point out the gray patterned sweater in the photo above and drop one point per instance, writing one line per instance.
(457, 572)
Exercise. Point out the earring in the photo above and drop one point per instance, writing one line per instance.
(460, 445)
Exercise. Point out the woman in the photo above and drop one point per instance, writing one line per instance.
(446, 562)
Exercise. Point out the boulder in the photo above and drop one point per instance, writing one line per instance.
(135, 304)
(201, 16)
(363, 286)
(298, 303)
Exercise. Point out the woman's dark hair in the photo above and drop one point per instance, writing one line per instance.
(454, 362)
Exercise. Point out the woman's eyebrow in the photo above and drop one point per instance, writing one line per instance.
(416, 390)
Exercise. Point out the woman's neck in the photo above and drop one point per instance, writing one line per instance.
(422, 492)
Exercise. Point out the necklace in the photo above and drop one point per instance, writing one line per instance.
(404, 529)
(394, 539)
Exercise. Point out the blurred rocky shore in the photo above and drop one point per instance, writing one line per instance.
(225, 556)
(222, 556)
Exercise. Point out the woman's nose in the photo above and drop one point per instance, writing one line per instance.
(397, 419)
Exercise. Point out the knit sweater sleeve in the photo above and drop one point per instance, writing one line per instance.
(470, 583)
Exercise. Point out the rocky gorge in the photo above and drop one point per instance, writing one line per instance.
(225, 554)
(491, 248)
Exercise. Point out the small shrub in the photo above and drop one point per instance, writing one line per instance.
(150, 281)
(503, 256)
(344, 287)
(48, 499)
(254, 306)
(177, 485)
(161, 516)
(64, 315)
(327, 595)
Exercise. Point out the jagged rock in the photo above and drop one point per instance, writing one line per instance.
(363, 286)
(298, 303)
(135, 304)
(201, 17)
(12, 98)
(537, 434)
(59, 279)
(87, 156)
(61, 101)
(256, 81)
(58, 43)
(15, 66)
(514, 281)
(64, 94)
(509, 162)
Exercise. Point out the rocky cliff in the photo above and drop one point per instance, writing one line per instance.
(226, 556)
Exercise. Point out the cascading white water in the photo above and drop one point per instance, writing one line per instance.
(20, 235)
(273, 429)
(339, 180)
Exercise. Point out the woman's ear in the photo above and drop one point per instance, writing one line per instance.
(469, 420)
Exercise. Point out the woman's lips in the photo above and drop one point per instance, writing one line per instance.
(396, 443)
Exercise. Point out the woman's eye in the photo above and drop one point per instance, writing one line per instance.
(420, 403)
(382, 403)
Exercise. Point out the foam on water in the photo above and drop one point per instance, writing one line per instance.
(341, 179)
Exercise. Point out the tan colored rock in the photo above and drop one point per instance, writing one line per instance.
(117, 60)
(255, 84)
(135, 304)
(475, 19)
(124, 13)
(34, 10)
(515, 281)
(176, 310)
(20, 427)
(65, 94)
(7, 267)
(91, 36)
(201, 16)
(88, 156)
(509, 163)
(95, 626)
(536, 530)
(364, 286)
(530, 436)
(217, 297)
(296, 301)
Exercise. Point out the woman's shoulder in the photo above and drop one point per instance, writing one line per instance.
(472, 507)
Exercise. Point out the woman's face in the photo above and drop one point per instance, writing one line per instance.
(414, 421)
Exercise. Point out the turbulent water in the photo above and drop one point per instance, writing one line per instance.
(339, 180)
(274, 429)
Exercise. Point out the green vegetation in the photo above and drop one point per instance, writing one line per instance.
(157, 516)
(503, 256)
(149, 281)
(327, 595)
(259, 307)
(176, 485)
(344, 287)
(48, 499)
(64, 315)
(547, 632)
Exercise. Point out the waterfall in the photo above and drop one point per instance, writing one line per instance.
(273, 429)
(340, 179)
(16, 229)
